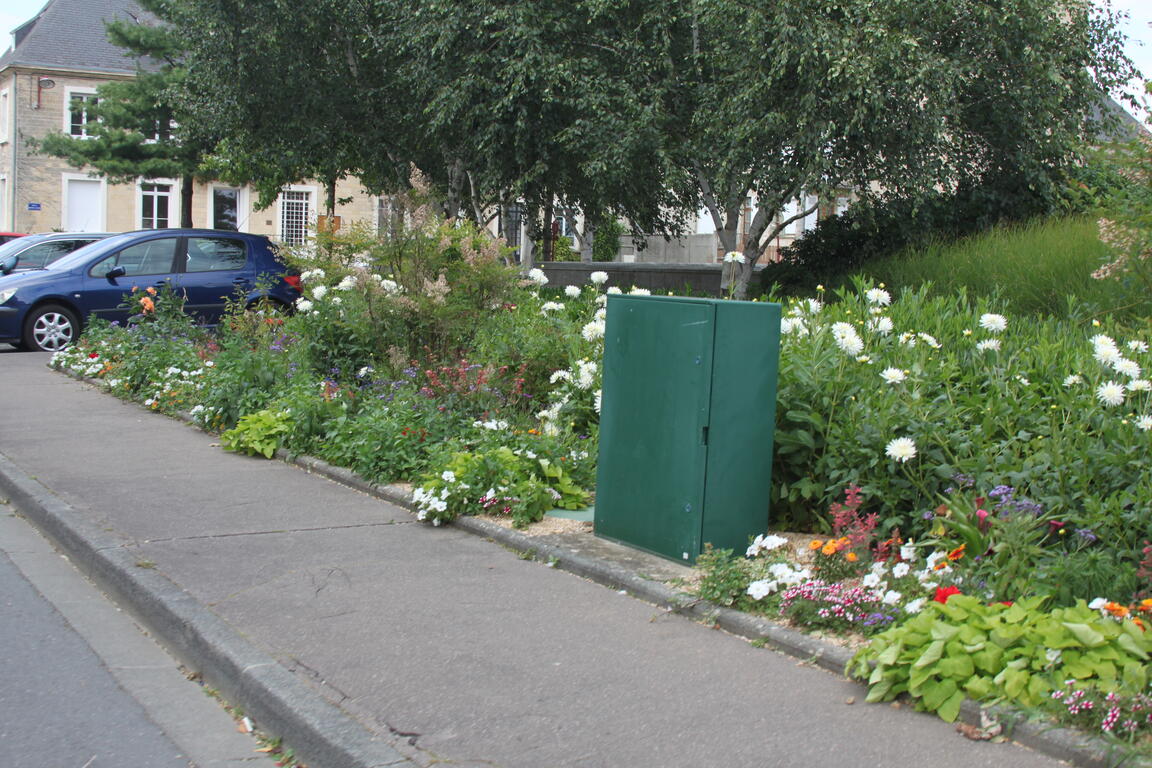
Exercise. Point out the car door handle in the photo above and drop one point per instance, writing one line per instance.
(240, 281)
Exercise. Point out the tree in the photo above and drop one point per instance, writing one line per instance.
(493, 102)
(141, 132)
(773, 101)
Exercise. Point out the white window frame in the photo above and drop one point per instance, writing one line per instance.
(5, 117)
(241, 206)
(64, 179)
(309, 224)
(173, 202)
(69, 92)
(5, 207)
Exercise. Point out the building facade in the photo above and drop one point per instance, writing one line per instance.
(48, 80)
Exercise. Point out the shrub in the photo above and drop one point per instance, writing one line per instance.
(908, 394)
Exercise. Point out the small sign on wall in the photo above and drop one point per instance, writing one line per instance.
(33, 206)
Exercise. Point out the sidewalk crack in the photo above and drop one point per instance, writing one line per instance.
(317, 529)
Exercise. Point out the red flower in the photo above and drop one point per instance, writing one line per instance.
(943, 593)
(1006, 602)
(93, 355)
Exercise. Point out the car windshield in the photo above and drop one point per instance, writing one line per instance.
(19, 244)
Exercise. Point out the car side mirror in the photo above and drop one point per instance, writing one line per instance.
(116, 272)
(8, 264)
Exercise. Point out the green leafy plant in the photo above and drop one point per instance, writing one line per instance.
(724, 578)
(258, 433)
(500, 481)
(1015, 653)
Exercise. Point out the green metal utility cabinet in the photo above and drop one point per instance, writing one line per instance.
(688, 412)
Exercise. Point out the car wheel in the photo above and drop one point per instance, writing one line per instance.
(50, 328)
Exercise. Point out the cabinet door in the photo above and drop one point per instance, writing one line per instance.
(654, 415)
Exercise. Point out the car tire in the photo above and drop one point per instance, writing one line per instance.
(50, 328)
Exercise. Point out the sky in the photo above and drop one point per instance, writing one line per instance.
(1138, 27)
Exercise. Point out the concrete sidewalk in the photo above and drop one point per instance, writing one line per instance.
(366, 639)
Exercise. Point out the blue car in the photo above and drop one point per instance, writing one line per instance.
(45, 309)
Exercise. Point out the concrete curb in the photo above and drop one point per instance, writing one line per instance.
(1071, 746)
(282, 704)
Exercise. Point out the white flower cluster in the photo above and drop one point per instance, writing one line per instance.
(1112, 393)
(793, 324)
(901, 449)
(585, 374)
(993, 323)
(429, 504)
(598, 278)
(782, 575)
(537, 276)
(893, 375)
(571, 291)
(551, 306)
(496, 425)
(391, 287)
(766, 542)
(593, 330)
(880, 325)
(347, 284)
(312, 275)
(847, 338)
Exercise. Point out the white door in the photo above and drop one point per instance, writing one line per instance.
(84, 206)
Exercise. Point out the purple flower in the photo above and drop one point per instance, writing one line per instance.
(1002, 492)
(1087, 535)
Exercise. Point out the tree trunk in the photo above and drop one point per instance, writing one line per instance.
(587, 240)
(547, 228)
(330, 199)
(186, 190)
(456, 179)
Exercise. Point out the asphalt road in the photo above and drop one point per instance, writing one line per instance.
(83, 687)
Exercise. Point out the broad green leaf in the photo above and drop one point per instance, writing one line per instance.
(1085, 635)
(931, 654)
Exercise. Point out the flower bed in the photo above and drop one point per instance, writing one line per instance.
(960, 468)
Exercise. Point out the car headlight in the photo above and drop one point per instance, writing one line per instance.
(6, 294)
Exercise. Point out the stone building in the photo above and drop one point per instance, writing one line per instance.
(48, 78)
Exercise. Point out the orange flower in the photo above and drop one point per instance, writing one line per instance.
(1117, 610)
(851, 557)
(829, 548)
(150, 291)
(1145, 605)
(147, 305)
(815, 544)
(957, 553)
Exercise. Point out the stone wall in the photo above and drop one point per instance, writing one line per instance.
(694, 279)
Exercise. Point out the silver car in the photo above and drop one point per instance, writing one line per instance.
(38, 251)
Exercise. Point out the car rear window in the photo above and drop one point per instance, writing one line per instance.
(215, 254)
